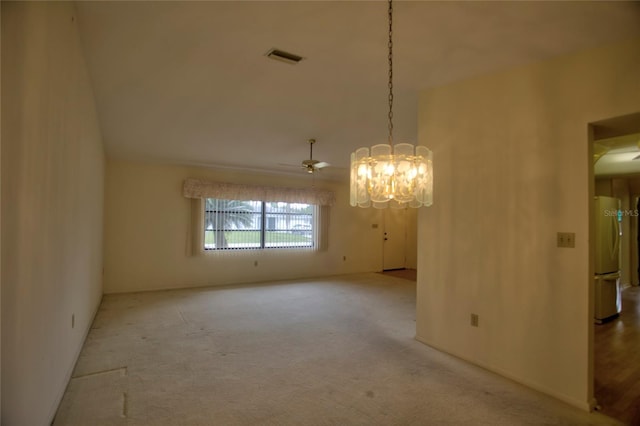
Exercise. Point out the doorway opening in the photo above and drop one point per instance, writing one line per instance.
(615, 332)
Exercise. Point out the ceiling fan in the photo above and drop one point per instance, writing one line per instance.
(312, 165)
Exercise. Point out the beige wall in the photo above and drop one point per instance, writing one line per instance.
(412, 238)
(603, 187)
(147, 221)
(52, 207)
(512, 168)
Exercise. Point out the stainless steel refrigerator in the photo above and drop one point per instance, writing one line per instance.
(608, 303)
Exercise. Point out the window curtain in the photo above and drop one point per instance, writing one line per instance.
(196, 188)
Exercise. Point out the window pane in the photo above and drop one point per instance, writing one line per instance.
(289, 225)
(233, 224)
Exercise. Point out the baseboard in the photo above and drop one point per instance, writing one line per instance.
(582, 405)
(69, 373)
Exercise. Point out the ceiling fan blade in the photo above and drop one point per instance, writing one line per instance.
(321, 164)
(297, 166)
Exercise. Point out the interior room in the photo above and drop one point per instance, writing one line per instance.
(191, 228)
(616, 145)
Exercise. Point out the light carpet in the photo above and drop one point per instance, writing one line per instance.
(327, 351)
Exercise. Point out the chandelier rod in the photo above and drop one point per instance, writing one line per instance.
(390, 57)
(387, 176)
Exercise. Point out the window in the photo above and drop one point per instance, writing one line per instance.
(232, 218)
(241, 225)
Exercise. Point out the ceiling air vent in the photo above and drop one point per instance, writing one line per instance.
(281, 55)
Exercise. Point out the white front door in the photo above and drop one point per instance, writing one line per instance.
(395, 237)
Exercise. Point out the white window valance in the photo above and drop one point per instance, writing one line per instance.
(196, 188)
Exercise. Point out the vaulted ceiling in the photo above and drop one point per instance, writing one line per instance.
(189, 82)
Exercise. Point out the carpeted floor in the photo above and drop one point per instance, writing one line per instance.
(336, 351)
(407, 274)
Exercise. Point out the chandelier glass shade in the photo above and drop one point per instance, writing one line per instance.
(395, 176)
(388, 175)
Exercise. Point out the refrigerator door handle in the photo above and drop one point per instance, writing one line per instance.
(616, 243)
(611, 238)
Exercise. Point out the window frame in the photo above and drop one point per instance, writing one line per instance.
(263, 216)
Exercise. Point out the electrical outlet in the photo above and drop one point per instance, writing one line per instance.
(255, 263)
(474, 320)
(73, 320)
(566, 239)
(344, 258)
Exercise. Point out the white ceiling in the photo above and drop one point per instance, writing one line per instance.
(620, 156)
(188, 82)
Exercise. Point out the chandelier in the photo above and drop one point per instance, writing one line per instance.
(388, 175)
